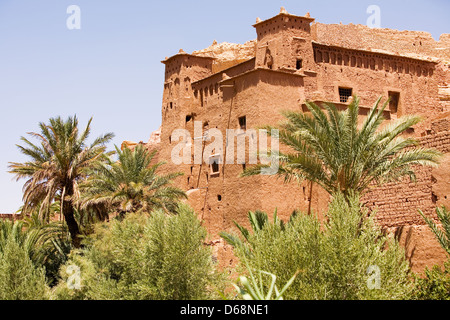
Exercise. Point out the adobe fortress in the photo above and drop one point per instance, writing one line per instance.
(294, 59)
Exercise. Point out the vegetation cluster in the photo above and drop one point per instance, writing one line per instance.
(108, 225)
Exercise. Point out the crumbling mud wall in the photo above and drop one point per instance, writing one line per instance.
(227, 54)
(416, 44)
(396, 205)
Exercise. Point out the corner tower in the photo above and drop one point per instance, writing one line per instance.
(181, 70)
(284, 42)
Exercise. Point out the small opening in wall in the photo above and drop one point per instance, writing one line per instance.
(171, 105)
(243, 123)
(394, 101)
(214, 164)
(214, 167)
(188, 118)
(299, 64)
(434, 198)
(219, 197)
(345, 94)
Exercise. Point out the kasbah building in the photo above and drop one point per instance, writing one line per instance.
(295, 59)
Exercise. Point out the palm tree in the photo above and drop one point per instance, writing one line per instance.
(328, 148)
(57, 165)
(130, 184)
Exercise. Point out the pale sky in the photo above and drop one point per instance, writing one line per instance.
(110, 69)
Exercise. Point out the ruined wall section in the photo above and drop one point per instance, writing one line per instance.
(228, 55)
(412, 43)
(397, 204)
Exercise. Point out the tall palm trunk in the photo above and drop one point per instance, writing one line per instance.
(310, 197)
(68, 212)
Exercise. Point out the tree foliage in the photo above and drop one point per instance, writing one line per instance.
(334, 260)
(157, 257)
(131, 184)
(330, 149)
(56, 165)
(21, 278)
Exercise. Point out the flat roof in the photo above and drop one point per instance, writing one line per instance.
(286, 15)
(259, 69)
(223, 71)
(186, 54)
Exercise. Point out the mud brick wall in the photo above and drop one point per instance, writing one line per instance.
(397, 204)
(7, 216)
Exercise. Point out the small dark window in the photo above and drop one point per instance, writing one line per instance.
(394, 101)
(299, 64)
(171, 105)
(219, 197)
(214, 167)
(345, 94)
(188, 118)
(243, 123)
(434, 198)
(214, 164)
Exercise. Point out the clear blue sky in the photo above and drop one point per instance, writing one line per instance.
(110, 69)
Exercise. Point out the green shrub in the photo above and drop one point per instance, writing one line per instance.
(335, 260)
(20, 279)
(152, 258)
(435, 285)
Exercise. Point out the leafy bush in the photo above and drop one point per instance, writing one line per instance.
(20, 279)
(335, 261)
(435, 285)
(157, 257)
